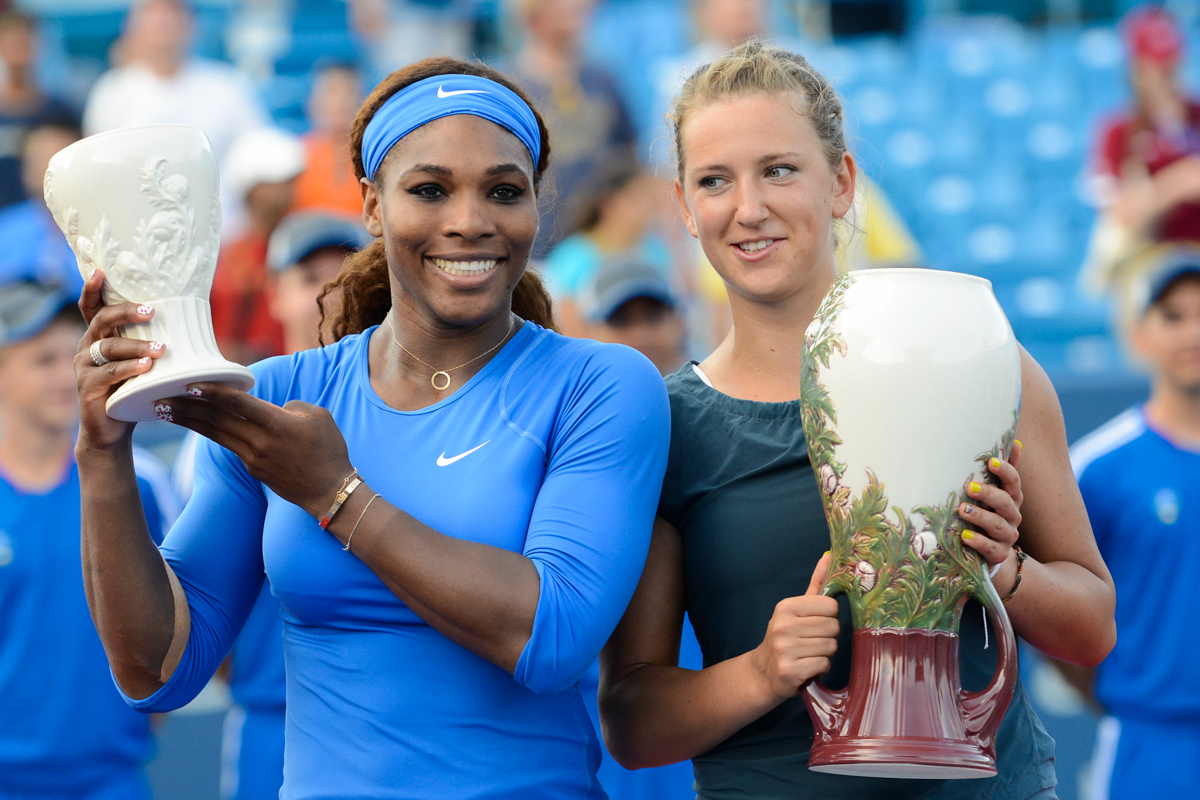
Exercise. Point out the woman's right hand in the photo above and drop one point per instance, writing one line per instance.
(801, 638)
(127, 358)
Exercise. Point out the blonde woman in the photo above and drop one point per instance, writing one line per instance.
(763, 180)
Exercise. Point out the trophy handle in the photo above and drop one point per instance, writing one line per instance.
(983, 711)
(825, 706)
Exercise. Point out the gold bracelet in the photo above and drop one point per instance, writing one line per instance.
(1021, 556)
(351, 483)
(360, 516)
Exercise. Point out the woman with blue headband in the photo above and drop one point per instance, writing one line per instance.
(452, 502)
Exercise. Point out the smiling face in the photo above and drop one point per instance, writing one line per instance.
(456, 206)
(758, 192)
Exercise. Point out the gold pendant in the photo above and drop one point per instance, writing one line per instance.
(434, 380)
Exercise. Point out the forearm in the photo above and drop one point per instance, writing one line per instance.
(128, 589)
(1144, 200)
(1064, 605)
(657, 715)
(1062, 609)
(483, 598)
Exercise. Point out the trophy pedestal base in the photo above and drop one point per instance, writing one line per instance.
(184, 325)
(135, 403)
(904, 713)
(904, 758)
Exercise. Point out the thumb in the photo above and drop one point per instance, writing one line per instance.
(818, 576)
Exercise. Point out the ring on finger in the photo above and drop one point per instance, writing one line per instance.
(97, 357)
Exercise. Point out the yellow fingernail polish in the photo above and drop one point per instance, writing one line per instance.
(995, 463)
(968, 535)
(827, 552)
(1017, 442)
(974, 487)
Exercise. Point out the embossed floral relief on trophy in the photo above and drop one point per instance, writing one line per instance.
(910, 383)
(141, 204)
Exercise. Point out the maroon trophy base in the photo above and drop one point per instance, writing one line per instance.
(903, 758)
(904, 713)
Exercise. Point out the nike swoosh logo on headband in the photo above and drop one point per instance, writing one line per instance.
(442, 93)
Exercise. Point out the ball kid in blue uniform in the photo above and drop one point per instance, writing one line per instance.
(64, 731)
(1140, 478)
(451, 502)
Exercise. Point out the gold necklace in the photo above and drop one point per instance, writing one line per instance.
(433, 380)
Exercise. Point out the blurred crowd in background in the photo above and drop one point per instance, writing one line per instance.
(995, 138)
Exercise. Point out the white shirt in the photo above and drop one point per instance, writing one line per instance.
(212, 96)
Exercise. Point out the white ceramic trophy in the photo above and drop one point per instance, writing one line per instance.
(141, 203)
(910, 384)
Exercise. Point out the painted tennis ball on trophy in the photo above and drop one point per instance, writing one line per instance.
(829, 481)
(866, 575)
(924, 543)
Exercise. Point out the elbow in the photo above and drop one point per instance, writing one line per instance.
(618, 732)
(1098, 637)
(548, 684)
(547, 676)
(626, 752)
(627, 759)
(1104, 638)
(135, 682)
(1099, 646)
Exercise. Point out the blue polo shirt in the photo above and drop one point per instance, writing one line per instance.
(64, 730)
(1143, 499)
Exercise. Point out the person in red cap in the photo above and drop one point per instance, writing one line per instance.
(1148, 160)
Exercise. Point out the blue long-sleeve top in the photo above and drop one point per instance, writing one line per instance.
(555, 449)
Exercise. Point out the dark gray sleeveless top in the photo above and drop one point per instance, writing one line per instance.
(740, 489)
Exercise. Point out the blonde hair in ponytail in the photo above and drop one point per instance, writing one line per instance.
(758, 68)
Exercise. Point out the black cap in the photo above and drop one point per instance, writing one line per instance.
(27, 307)
(302, 233)
(617, 282)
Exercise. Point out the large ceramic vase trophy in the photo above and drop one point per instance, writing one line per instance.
(911, 381)
(141, 203)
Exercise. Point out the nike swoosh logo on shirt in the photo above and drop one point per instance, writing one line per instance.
(445, 462)
(442, 93)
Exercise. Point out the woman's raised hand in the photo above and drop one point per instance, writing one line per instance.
(105, 360)
(997, 512)
(801, 638)
(297, 450)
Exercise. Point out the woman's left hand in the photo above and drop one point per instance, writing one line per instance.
(996, 514)
(297, 450)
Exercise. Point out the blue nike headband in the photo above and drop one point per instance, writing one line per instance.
(444, 96)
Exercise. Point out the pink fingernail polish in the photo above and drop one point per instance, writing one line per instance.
(162, 408)
(144, 360)
(145, 310)
(156, 346)
(92, 274)
(195, 392)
